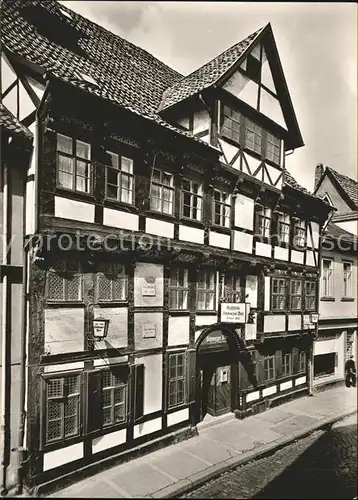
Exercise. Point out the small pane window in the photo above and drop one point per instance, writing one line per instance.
(273, 148)
(111, 283)
(114, 397)
(286, 364)
(74, 168)
(162, 192)
(347, 279)
(176, 380)
(231, 124)
(64, 281)
(269, 367)
(230, 289)
(192, 201)
(299, 234)
(310, 295)
(296, 295)
(221, 208)
(263, 221)
(119, 178)
(278, 294)
(178, 289)
(302, 361)
(283, 228)
(205, 300)
(253, 135)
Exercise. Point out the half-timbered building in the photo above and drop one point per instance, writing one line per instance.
(174, 260)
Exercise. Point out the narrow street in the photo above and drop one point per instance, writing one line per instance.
(322, 465)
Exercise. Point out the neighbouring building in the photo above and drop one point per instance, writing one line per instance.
(337, 333)
(15, 155)
(158, 207)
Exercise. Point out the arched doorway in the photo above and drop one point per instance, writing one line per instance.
(217, 350)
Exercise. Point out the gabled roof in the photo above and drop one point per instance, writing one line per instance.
(348, 185)
(125, 74)
(10, 123)
(335, 232)
(208, 74)
(289, 180)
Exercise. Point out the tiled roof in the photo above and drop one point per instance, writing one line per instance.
(289, 180)
(126, 74)
(207, 75)
(335, 232)
(9, 122)
(350, 186)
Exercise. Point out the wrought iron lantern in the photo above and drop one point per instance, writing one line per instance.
(314, 317)
(100, 328)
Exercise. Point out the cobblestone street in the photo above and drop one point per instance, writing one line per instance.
(323, 465)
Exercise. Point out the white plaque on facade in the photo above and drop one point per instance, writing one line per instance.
(233, 312)
(149, 331)
(148, 287)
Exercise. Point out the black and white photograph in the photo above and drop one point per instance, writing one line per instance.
(178, 249)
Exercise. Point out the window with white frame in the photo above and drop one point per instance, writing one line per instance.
(286, 364)
(310, 295)
(192, 206)
(176, 379)
(273, 148)
(327, 278)
(205, 299)
(73, 164)
(253, 136)
(263, 221)
(283, 228)
(221, 208)
(296, 295)
(178, 289)
(114, 397)
(302, 361)
(269, 367)
(162, 192)
(111, 282)
(347, 279)
(278, 294)
(64, 281)
(119, 178)
(299, 233)
(230, 288)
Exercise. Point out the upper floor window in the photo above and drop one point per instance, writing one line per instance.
(263, 221)
(286, 364)
(347, 279)
(269, 367)
(73, 164)
(192, 199)
(273, 148)
(162, 192)
(111, 283)
(206, 291)
(230, 291)
(119, 178)
(278, 294)
(299, 233)
(327, 278)
(296, 295)
(231, 124)
(222, 208)
(253, 136)
(114, 397)
(62, 401)
(310, 295)
(283, 227)
(176, 379)
(64, 281)
(178, 289)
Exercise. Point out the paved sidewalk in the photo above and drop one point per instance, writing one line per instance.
(169, 472)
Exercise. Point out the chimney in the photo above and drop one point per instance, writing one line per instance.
(318, 174)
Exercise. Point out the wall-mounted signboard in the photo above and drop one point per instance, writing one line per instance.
(148, 287)
(233, 312)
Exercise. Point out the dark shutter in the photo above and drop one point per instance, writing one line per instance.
(191, 375)
(93, 412)
(278, 363)
(138, 400)
(295, 359)
(260, 368)
(274, 228)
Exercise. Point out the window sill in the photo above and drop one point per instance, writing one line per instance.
(179, 312)
(160, 215)
(110, 203)
(192, 222)
(220, 229)
(65, 303)
(173, 409)
(114, 303)
(347, 299)
(70, 193)
(328, 299)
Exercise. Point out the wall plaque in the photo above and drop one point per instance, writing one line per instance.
(233, 312)
(149, 331)
(148, 287)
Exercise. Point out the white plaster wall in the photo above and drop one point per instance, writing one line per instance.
(236, 84)
(78, 365)
(244, 212)
(192, 234)
(142, 273)
(74, 210)
(147, 427)
(64, 330)
(275, 323)
(205, 320)
(228, 149)
(105, 361)
(251, 290)
(118, 326)
(152, 382)
(315, 234)
(267, 295)
(178, 416)
(178, 330)
(243, 242)
(219, 239)
(297, 256)
(109, 440)
(159, 227)
(294, 322)
(300, 380)
(62, 456)
(350, 225)
(286, 385)
(270, 107)
(201, 121)
(269, 390)
(263, 249)
(184, 122)
(252, 396)
(281, 253)
(154, 320)
(310, 258)
(119, 219)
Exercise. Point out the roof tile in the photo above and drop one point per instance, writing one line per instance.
(350, 186)
(12, 124)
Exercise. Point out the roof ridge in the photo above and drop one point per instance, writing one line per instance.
(341, 175)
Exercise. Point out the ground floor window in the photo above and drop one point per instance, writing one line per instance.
(114, 397)
(286, 364)
(176, 379)
(302, 362)
(324, 364)
(269, 367)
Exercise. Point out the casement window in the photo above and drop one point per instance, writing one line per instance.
(119, 178)
(111, 281)
(73, 164)
(302, 361)
(263, 221)
(253, 136)
(231, 124)
(310, 295)
(114, 396)
(283, 228)
(178, 289)
(221, 208)
(286, 364)
(327, 278)
(62, 407)
(269, 367)
(162, 192)
(347, 279)
(176, 379)
(205, 298)
(273, 148)
(278, 294)
(296, 295)
(299, 234)
(230, 289)
(64, 281)
(192, 206)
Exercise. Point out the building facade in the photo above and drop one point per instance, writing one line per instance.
(160, 209)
